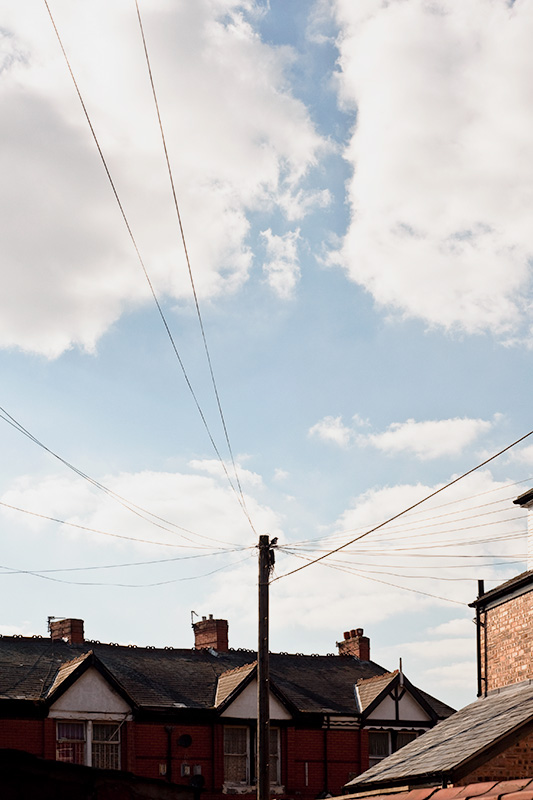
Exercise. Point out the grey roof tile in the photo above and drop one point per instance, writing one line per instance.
(456, 740)
(157, 678)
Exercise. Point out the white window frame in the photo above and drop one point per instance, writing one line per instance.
(249, 785)
(277, 754)
(88, 727)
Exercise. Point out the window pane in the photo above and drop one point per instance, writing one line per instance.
(106, 746)
(378, 744)
(274, 756)
(403, 738)
(70, 745)
(236, 755)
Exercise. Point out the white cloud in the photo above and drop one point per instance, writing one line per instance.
(214, 467)
(453, 627)
(428, 439)
(332, 429)
(523, 455)
(441, 195)
(282, 269)
(238, 142)
(280, 474)
(191, 502)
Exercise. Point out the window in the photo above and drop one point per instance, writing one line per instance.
(382, 743)
(239, 755)
(95, 744)
(275, 776)
(106, 745)
(378, 746)
(403, 738)
(70, 742)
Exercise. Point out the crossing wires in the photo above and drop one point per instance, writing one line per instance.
(237, 491)
(404, 511)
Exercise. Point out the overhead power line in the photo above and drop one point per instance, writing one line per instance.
(130, 506)
(406, 510)
(106, 533)
(143, 266)
(189, 268)
(420, 522)
(36, 574)
(152, 561)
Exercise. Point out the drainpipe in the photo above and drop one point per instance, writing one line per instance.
(480, 591)
(169, 729)
(326, 776)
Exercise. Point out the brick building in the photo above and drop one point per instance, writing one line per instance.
(189, 716)
(491, 739)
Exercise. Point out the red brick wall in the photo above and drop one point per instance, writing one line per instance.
(150, 748)
(145, 745)
(515, 762)
(508, 655)
(308, 747)
(24, 734)
(211, 633)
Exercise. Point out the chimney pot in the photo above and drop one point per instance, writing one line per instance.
(210, 616)
(355, 644)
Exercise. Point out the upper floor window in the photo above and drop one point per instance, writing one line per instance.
(239, 755)
(382, 743)
(95, 744)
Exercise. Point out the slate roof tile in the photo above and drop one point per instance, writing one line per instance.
(456, 740)
(168, 677)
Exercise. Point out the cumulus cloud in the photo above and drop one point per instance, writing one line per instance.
(332, 429)
(282, 269)
(238, 142)
(280, 474)
(423, 552)
(441, 194)
(426, 439)
(429, 439)
(186, 505)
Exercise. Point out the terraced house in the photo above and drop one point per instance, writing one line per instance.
(188, 716)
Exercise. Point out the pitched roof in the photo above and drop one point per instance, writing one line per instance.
(489, 790)
(519, 582)
(449, 749)
(178, 678)
(368, 689)
(230, 680)
(370, 692)
(65, 670)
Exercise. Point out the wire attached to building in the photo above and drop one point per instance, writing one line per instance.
(406, 510)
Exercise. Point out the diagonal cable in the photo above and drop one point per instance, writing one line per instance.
(189, 268)
(141, 261)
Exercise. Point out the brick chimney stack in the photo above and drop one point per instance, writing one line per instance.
(69, 630)
(355, 644)
(211, 633)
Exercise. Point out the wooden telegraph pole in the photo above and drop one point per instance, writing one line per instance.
(266, 560)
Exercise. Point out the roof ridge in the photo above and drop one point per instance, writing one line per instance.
(234, 671)
(377, 677)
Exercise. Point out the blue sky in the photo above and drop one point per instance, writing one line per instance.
(355, 184)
